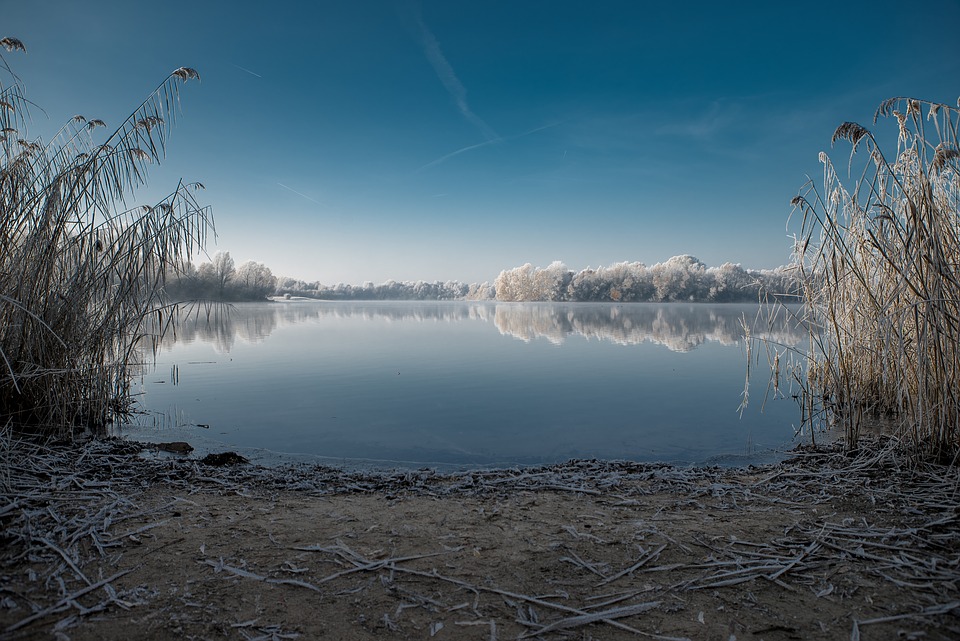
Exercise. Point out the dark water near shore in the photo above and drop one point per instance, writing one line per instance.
(467, 384)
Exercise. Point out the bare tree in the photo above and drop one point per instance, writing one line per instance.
(223, 271)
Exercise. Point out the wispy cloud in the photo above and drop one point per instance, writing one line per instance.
(247, 70)
(302, 195)
(448, 77)
(705, 125)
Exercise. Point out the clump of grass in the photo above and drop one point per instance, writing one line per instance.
(879, 264)
(80, 270)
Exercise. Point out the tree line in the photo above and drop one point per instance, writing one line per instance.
(389, 290)
(679, 279)
(221, 279)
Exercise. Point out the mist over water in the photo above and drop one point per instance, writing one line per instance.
(468, 384)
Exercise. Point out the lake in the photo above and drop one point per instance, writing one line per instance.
(467, 385)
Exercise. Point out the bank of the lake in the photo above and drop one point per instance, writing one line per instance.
(99, 542)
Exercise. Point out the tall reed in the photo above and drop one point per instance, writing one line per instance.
(81, 272)
(879, 265)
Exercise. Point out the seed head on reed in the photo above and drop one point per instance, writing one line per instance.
(12, 44)
(942, 155)
(186, 73)
(849, 131)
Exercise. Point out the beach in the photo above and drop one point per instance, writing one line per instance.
(100, 542)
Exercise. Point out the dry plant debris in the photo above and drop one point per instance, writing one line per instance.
(100, 541)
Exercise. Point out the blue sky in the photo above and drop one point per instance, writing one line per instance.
(436, 140)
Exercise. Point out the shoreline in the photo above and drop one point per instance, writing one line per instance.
(824, 545)
(160, 449)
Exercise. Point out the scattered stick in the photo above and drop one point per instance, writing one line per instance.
(593, 617)
(219, 566)
(636, 566)
(66, 601)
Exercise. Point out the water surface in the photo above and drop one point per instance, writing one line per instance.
(467, 384)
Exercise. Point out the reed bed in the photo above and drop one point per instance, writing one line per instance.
(80, 270)
(878, 266)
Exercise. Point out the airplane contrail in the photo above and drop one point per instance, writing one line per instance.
(448, 77)
(441, 159)
(314, 200)
(247, 70)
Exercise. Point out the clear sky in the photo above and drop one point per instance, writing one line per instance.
(445, 139)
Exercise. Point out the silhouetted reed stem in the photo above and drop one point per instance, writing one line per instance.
(80, 272)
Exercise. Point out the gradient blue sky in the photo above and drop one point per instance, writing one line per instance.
(435, 140)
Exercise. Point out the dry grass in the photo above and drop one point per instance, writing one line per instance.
(878, 264)
(81, 271)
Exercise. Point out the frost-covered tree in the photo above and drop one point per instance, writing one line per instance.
(551, 282)
(481, 291)
(678, 278)
(529, 283)
(514, 284)
(681, 278)
(254, 280)
(626, 282)
(586, 285)
(729, 282)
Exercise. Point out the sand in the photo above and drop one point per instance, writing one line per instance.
(100, 543)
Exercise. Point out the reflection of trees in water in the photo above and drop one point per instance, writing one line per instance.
(221, 325)
(416, 311)
(679, 327)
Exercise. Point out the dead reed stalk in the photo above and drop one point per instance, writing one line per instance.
(879, 265)
(80, 271)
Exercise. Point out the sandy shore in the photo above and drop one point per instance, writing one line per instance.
(102, 544)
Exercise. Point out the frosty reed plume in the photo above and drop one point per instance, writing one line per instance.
(879, 263)
(80, 272)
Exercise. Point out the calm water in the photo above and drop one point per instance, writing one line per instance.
(467, 384)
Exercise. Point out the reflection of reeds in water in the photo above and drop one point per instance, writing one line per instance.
(78, 277)
(216, 323)
(879, 266)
